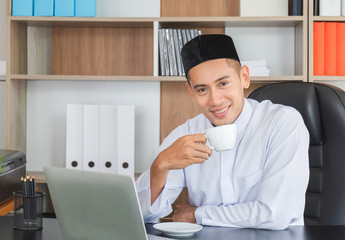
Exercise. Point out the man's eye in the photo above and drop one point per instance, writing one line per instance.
(201, 90)
(223, 84)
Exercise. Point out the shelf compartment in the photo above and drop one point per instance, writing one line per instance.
(102, 51)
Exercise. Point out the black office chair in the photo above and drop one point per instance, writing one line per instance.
(323, 110)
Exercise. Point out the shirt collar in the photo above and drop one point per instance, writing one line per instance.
(243, 120)
(245, 115)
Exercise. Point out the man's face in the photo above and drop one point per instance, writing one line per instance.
(218, 90)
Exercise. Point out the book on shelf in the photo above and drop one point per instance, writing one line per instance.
(319, 48)
(170, 44)
(316, 8)
(108, 138)
(22, 7)
(172, 55)
(189, 36)
(180, 46)
(330, 7)
(340, 40)
(85, 8)
(44, 8)
(74, 136)
(125, 140)
(195, 33)
(161, 46)
(165, 52)
(169, 52)
(177, 52)
(295, 7)
(330, 48)
(184, 36)
(64, 8)
(91, 138)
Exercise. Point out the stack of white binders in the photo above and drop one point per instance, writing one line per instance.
(100, 138)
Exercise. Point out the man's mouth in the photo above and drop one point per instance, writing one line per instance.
(221, 112)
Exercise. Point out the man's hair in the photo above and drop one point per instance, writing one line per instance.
(230, 62)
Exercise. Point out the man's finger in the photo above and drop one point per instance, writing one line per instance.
(199, 138)
(203, 148)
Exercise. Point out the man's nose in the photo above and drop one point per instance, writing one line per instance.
(215, 98)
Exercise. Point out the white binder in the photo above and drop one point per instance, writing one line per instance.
(91, 137)
(74, 136)
(108, 140)
(125, 140)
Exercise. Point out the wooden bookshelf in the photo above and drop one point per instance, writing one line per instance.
(73, 53)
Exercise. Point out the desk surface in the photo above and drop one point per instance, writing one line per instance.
(51, 231)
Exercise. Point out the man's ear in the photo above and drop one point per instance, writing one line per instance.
(189, 88)
(245, 79)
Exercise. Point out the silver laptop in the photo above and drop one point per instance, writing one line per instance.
(91, 205)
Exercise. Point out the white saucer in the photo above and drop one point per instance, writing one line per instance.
(178, 229)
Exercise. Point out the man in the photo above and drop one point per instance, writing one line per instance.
(261, 183)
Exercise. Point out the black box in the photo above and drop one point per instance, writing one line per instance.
(10, 178)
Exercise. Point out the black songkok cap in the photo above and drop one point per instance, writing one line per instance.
(207, 47)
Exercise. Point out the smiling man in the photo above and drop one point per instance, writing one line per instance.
(261, 183)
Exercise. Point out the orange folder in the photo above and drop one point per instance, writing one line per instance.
(330, 48)
(319, 48)
(340, 39)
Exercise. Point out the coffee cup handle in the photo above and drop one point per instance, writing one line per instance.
(212, 148)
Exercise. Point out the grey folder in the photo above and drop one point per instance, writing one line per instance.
(91, 205)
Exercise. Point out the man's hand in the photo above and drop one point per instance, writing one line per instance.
(185, 151)
(184, 213)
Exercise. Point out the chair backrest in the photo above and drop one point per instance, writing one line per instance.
(323, 110)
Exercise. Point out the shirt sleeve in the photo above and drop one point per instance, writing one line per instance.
(281, 195)
(173, 187)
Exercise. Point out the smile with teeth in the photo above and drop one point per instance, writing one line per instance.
(222, 110)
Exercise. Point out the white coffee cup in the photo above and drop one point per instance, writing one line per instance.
(222, 138)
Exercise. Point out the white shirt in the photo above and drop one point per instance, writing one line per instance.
(261, 183)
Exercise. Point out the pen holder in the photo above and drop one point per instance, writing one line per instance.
(28, 211)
